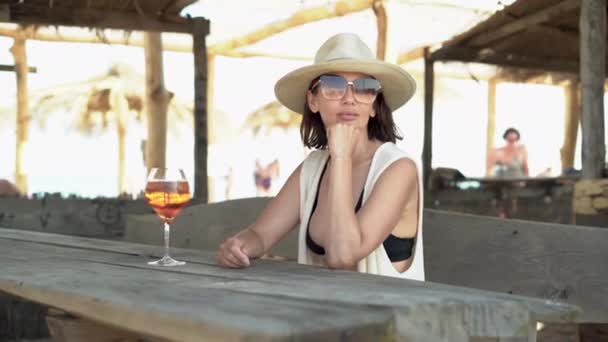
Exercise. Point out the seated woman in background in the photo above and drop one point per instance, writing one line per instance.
(357, 199)
(509, 161)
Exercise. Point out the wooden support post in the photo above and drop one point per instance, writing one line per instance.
(491, 125)
(157, 99)
(199, 47)
(120, 107)
(592, 68)
(23, 113)
(571, 122)
(381, 22)
(211, 120)
(427, 150)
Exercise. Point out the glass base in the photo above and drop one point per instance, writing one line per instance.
(167, 261)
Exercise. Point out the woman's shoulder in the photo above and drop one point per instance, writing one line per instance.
(389, 152)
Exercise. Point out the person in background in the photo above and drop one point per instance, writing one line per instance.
(511, 160)
(356, 199)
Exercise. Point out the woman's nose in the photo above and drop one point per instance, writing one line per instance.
(349, 95)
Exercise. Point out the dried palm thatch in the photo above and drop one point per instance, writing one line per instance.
(272, 115)
(108, 101)
(93, 101)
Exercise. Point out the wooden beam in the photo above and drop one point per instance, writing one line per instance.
(571, 122)
(381, 23)
(26, 13)
(199, 47)
(488, 56)
(592, 27)
(427, 150)
(134, 39)
(305, 16)
(551, 36)
(491, 125)
(411, 55)
(14, 68)
(249, 54)
(524, 22)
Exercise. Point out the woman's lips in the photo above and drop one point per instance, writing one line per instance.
(348, 116)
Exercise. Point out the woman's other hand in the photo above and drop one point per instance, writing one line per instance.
(233, 252)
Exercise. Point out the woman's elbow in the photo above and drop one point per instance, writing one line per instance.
(340, 261)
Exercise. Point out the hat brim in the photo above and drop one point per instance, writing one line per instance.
(398, 86)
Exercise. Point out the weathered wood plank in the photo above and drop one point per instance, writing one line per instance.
(26, 13)
(206, 226)
(552, 261)
(488, 313)
(179, 306)
(101, 217)
(417, 310)
(592, 27)
(522, 23)
(506, 59)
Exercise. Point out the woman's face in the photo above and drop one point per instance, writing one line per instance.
(350, 108)
(512, 137)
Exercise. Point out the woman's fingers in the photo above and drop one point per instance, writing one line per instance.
(241, 257)
(230, 254)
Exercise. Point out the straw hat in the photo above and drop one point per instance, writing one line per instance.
(345, 52)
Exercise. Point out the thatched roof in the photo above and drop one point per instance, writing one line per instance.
(272, 115)
(532, 34)
(91, 100)
(153, 15)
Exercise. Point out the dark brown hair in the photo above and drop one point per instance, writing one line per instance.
(381, 126)
(511, 130)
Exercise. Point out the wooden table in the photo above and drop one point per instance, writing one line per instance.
(109, 282)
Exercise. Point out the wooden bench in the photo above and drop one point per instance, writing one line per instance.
(109, 282)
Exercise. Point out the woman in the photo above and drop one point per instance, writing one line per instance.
(511, 160)
(357, 199)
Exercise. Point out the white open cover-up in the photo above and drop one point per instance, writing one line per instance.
(377, 262)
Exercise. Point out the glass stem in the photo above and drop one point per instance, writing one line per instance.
(167, 227)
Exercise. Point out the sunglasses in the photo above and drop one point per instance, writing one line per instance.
(334, 87)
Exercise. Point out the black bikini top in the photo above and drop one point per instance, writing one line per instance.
(398, 249)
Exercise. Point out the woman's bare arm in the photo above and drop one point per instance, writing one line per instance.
(279, 216)
(353, 236)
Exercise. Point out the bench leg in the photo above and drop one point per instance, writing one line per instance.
(67, 328)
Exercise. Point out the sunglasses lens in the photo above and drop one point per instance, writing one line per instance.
(334, 87)
(366, 89)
